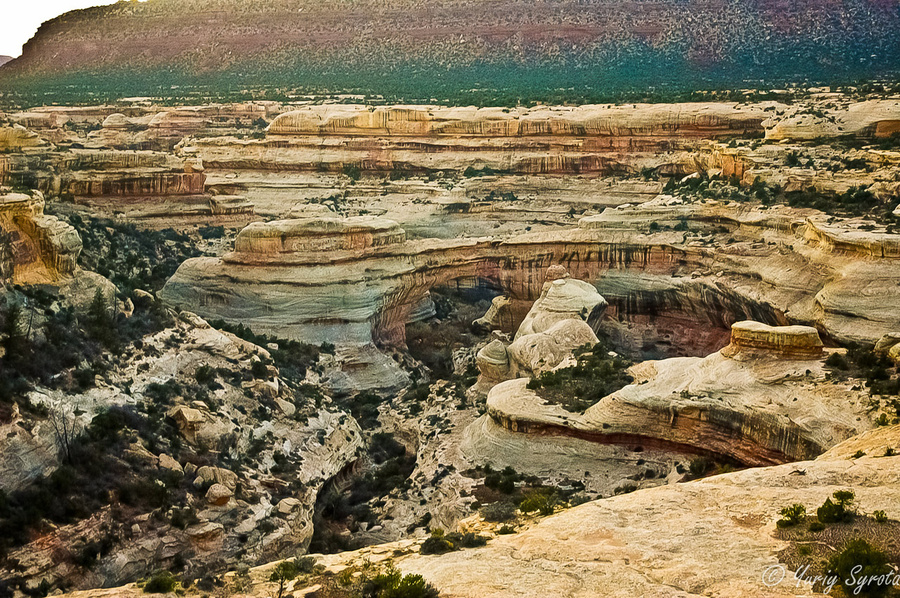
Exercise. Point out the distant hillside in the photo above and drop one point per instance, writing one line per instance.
(426, 49)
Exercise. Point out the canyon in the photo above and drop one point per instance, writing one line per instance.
(344, 330)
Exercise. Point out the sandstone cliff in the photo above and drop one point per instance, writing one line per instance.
(37, 248)
(660, 284)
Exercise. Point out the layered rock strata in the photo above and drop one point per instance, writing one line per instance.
(541, 140)
(682, 290)
(37, 248)
(765, 399)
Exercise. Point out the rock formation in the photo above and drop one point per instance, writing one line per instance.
(37, 248)
(657, 285)
(710, 537)
(764, 399)
(562, 319)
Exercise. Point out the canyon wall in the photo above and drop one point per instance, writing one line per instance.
(37, 248)
(365, 288)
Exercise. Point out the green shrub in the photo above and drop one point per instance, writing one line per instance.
(393, 584)
(205, 375)
(467, 540)
(440, 543)
(816, 525)
(436, 544)
(839, 510)
(699, 466)
(352, 171)
(880, 516)
(837, 361)
(792, 515)
(284, 572)
(162, 582)
(859, 560)
(542, 500)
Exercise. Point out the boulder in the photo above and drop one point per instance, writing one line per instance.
(563, 299)
(534, 354)
(167, 462)
(287, 505)
(215, 475)
(218, 495)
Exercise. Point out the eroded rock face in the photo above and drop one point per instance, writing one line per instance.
(710, 537)
(684, 296)
(753, 339)
(230, 503)
(563, 299)
(714, 536)
(18, 137)
(753, 407)
(320, 235)
(561, 320)
(37, 248)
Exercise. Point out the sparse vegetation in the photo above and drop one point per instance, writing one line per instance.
(498, 512)
(840, 510)
(597, 374)
(862, 569)
(792, 515)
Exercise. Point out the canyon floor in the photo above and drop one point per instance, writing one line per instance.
(550, 350)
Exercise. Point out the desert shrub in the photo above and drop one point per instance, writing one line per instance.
(436, 544)
(625, 488)
(792, 515)
(699, 466)
(184, 518)
(467, 540)
(499, 511)
(880, 516)
(503, 481)
(471, 171)
(259, 370)
(542, 500)
(162, 582)
(211, 232)
(839, 510)
(393, 584)
(440, 543)
(305, 565)
(292, 358)
(837, 361)
(352, 171)
(284, 572)
(857, 561)
(205, 375)
(816, 525)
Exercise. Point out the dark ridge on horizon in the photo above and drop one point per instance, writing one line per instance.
(413, 49)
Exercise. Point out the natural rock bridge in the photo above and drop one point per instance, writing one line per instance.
(357, 282)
